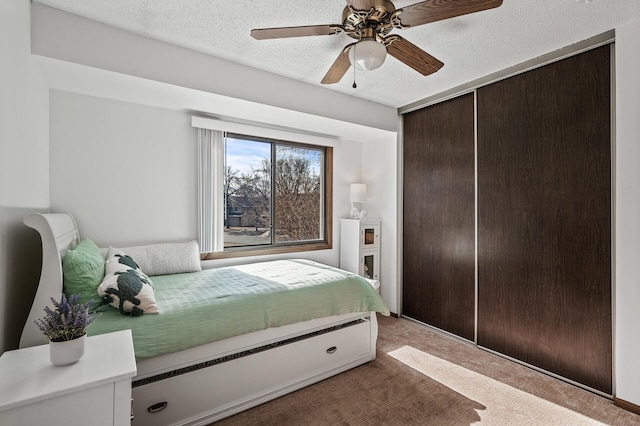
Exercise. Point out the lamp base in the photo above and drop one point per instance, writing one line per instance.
(355, 213)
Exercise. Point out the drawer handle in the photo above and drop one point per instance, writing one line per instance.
(157, 407)
(332, 350)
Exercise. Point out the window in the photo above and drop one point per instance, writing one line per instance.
(275, 196)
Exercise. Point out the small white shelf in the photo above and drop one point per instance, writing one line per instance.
(360, 247)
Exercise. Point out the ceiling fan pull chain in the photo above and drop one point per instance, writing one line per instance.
(354, 67)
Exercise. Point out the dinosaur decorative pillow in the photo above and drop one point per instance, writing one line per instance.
(126, 287)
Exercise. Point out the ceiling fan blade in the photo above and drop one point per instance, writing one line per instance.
(361, 4)
(437, 10)
(412, 55)
(339, 67)
(283, 32)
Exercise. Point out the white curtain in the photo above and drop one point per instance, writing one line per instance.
(210, 190)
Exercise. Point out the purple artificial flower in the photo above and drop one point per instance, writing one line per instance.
(69, 320)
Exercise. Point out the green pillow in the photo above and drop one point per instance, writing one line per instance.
(83, 270)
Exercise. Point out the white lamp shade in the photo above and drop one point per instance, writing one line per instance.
(367, 54)
(358, 193)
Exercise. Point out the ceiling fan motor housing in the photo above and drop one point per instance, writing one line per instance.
(375, 22)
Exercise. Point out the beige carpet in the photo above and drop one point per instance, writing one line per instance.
(421, 377)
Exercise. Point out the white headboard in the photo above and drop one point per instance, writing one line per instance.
(59, 233)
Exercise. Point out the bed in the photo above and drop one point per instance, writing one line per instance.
(222, 367)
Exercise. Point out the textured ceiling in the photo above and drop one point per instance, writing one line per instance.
(470, 46)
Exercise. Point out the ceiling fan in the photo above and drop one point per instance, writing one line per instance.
(370, 22)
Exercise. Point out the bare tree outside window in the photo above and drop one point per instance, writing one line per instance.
(266, 198)
(298, 194)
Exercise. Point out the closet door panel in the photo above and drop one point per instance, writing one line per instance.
(439, 234)
(544, 218)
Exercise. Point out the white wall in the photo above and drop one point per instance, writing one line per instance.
(627, 214)
(126, 172)
(379, 171)
(24, 165)
(23, 113)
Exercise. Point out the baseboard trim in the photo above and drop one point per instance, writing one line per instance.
(629, 406)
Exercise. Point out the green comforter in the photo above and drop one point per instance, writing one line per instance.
(202, 307)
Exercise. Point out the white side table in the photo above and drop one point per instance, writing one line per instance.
(96, 390)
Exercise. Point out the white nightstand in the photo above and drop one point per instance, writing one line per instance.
(94, 391)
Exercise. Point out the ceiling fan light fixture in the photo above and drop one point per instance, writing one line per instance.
(368, 54)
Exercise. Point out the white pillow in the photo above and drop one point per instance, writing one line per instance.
(130, 289)
(167, 258)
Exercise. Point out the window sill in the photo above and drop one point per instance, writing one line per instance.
(266, 251)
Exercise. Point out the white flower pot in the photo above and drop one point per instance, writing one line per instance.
(67, 352)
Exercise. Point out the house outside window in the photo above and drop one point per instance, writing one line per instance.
(275, 196)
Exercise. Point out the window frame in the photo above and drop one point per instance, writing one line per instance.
(291, 247)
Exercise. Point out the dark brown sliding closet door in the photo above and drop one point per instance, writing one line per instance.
(438, 251)
(544, 218)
